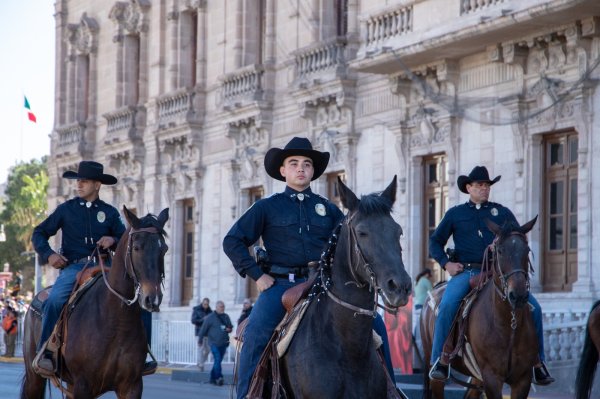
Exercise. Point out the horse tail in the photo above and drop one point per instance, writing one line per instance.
(587, 364)
(33, 386)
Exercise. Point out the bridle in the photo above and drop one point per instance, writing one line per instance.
(129, 269)
(356, 263)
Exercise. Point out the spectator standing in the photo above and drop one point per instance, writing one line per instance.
(10, 325)
(422, 286)
(216, 327)
(198, 314)
(246, 309)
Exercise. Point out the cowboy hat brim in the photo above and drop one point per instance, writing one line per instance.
(275, 156)
(463, 180)
(103, 178)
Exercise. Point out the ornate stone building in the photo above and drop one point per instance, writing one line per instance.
(182, 98)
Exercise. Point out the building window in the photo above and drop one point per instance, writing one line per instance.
(559, 266)
(333, 194)
(187, 255)
(131, 70)
(435, 204)
(341, 17)
(188, 47)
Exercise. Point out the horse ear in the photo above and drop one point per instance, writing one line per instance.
(526, 228)
(494, 228)
(347, 196)
(390, 191)
(133, 220)
(163, 217)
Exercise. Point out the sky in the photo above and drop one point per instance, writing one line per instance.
(27, 69)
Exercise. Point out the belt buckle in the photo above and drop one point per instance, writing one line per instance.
(291, 277)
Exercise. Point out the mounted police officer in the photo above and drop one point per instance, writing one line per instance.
(294, 225)
(465, 223)
(86, 222)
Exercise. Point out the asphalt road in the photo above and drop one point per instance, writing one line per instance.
(157, 386)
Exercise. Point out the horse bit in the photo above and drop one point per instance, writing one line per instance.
(129, 264)
(373, 286)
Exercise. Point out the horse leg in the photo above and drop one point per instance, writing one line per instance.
(33, 386)
(492, 386)
(437, 389)
(520, 389)
(130, 390)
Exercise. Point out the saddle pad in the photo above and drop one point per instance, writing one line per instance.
(288, 326)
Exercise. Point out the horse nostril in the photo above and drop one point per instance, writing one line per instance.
(391, 285)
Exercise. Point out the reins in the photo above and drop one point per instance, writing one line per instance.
(128, 266)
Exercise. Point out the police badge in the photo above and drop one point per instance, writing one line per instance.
(101, 216)
(320, 209)
(494, 212)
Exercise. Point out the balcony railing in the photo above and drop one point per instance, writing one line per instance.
(70, 134)
(120, 119)
(389, 25)
(243, 84)
(175, 107)
(470, 6)
(315, 60)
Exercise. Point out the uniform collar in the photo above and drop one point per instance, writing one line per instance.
(471, 204)
(293, 194)
(95, 203)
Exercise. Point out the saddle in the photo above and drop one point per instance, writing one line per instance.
(84, 281)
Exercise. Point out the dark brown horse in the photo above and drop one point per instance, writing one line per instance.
(105, 342)
(500, 329)
(332, 353)
(589, 355)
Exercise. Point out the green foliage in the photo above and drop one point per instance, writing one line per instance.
(25, 206)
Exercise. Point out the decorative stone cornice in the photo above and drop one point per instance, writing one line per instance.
(129, 18)
(251, 142)
(82, 38)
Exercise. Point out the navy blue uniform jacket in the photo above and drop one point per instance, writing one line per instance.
(294, 232)
(470, 234)
(81, 227)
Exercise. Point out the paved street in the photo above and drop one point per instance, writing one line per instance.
(158, 386)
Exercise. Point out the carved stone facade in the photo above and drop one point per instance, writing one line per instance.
(183, 99)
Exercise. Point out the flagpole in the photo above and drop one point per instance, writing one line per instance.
(21, 128)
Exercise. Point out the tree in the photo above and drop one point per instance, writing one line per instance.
(25, 206)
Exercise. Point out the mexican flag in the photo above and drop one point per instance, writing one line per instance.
(30, 114)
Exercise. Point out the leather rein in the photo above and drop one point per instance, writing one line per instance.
(357, 262)
(129, 269)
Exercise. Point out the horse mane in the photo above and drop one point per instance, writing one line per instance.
(151, 220)
(375, 205)
(508, 227)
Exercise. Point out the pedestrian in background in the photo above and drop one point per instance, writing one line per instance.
(216, 327)
(246, 309)
(198, 314)
(10, 325)
(422, 286)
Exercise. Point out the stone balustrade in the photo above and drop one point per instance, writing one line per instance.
(564, 333)
(247, 82)
(70, 134)
(382, 27)
(120, 119)
(314, 60)
(174, 104)
(470, 6)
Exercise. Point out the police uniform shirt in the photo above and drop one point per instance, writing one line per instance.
(294, 227)
(466, 224)
(82, 223)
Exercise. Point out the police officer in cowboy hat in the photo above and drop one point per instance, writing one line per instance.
(294, 225)
(465, 222)
(86, 222)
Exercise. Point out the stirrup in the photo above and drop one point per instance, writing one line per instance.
(439, 371)
(43, 364)
(541, 375)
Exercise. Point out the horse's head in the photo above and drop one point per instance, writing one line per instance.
(144, 261)
(512, 260)
(374, 242)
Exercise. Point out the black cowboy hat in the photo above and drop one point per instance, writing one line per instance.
(297, 146)
(90, 170)
(479, 173)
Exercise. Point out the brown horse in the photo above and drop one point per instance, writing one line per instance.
(589, 355)
(105, 342)
(500, 329)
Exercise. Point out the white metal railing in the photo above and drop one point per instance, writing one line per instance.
(469, 6)
(382, 27)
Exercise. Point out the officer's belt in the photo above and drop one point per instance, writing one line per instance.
(471, 266)
(88, 259)
(280, 271)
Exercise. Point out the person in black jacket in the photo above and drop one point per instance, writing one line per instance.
(246, 309)
(198, 314)
(216, 327)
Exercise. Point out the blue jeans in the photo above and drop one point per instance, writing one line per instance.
(59, 295)
(264, 318)
(457, 288)
(218, 352)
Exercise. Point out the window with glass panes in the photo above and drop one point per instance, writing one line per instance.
(187, 261)
(435, 203)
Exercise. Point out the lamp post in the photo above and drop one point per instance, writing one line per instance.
(38, 274)
(2, 233)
